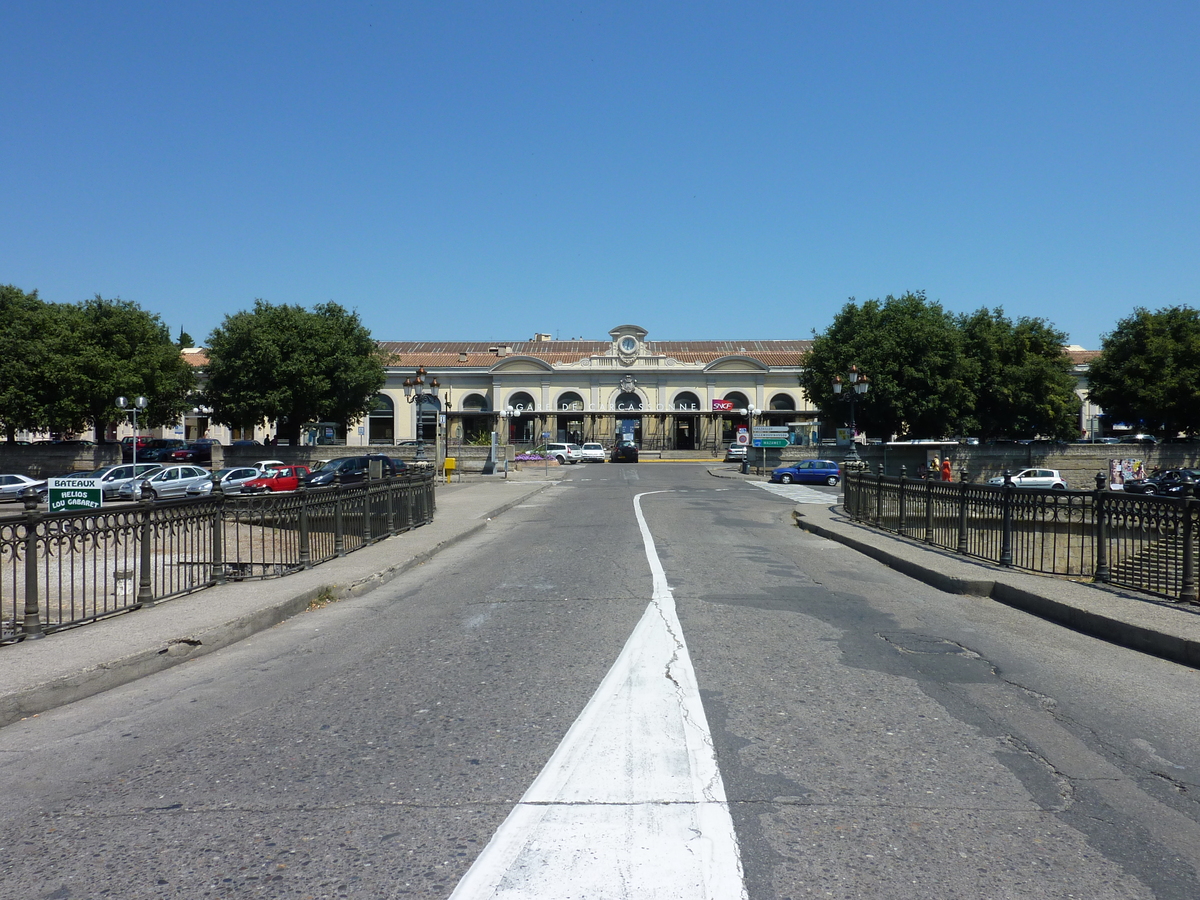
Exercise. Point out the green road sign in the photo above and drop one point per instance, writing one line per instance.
(74, 494)
(770, 442)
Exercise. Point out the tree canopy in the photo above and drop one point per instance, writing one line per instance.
(912, 352)
(1021, 378)
(1148, 371)
(287, 365)
(62, 366)
(933, 375)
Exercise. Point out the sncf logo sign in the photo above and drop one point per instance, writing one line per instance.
(722, 405)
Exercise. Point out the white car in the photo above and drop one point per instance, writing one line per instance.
(112, 478)
(592, 452)
(735, 453)
(231, 481)
(12, 485)
(564, 453)
(1036, 478)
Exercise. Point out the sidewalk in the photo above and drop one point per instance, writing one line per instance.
(69, 665)
(1137, 621)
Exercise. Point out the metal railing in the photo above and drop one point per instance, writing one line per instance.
(1141, 541)
(63, 569)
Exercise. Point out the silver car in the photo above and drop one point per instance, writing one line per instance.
(1036, 478)
(12, 485)
(168, 481)
(111, 478)
(231, 481)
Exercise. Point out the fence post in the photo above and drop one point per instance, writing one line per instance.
(1187, 591)
(339, 534)
(145, 594)
(900, 501)
(218, 535)
(879, 496)
(31, 627)
(962, 513)
(929, 511)
(1100, 530)
(305, 543)
(1006, 516)
(366, 530)
(391, 483)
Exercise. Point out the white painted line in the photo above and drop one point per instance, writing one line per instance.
(631, 804)
(798, 493)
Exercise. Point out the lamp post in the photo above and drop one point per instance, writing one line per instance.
(417, 391)
(859, 384)
(139, 402)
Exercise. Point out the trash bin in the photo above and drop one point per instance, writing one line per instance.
(449, 467)
(746, 464)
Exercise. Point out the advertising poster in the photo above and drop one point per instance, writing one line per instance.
(1123, 470)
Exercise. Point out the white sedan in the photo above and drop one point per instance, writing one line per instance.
(592, 452)
(12, 485)
(1036, 478)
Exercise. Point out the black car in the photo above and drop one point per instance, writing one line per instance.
(625, 451)
(1171, 482)
(350, 469)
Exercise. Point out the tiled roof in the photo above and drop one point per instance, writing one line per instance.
(446, 354)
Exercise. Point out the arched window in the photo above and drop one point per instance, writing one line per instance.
(738, 399)
(627, 400)
(783, 401)
(475, 403)
(570, 402)
(521, 401)
(381, 420)
(687, 401)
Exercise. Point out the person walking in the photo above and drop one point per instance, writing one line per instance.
(935, 467)
(946, 470)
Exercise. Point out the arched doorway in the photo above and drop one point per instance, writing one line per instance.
(736, 419)
(522, 425)
(628, 406)
(570, 417)
(381, 420)
(476, 419)
(686, 409)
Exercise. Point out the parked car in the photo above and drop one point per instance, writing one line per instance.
(243, 444)
(1035, 478)
(625, 451)
(12, 485)
(1138, 439)
(160, 449)
(127, 447)
(564, 453)
(592, 452)
(111, 478)
(263, 464)
(284, 478)
(1171, 482)
(351, 470)
(167, 482)
(735, 453)
(809, 471)
(231, 481)
(198, 452)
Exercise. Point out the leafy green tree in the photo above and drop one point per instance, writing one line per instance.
(118, 349)
(912, 352)
(1148, 370)
(27, 338)
(287, 365)
(1021, 378)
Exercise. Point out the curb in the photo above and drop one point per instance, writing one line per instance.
(1173, 648)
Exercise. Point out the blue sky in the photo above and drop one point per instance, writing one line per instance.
(486, 171)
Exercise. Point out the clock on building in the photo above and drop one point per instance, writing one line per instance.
(628, 344)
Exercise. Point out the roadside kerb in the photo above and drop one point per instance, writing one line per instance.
(70, 665)
(1145, 624)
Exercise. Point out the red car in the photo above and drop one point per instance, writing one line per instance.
(281, 478)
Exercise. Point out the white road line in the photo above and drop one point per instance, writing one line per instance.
(798, 493)
(631, 804)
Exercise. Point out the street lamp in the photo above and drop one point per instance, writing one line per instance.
(138, 403)
(417, 391)
(860, 383)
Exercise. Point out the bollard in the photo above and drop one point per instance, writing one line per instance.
(1100, 524)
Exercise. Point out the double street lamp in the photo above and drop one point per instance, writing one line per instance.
(417, 391)
(859, 384)
(138, 403)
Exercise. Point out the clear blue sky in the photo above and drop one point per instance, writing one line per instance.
(488, 170)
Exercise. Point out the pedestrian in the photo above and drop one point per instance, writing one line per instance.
(935, 466)
(946, 470)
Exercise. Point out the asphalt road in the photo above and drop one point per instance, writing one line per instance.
(874, 738)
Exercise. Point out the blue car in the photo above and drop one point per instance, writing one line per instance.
(809, 471)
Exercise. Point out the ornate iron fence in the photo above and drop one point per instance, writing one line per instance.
(63, 569)
(1140, 541)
